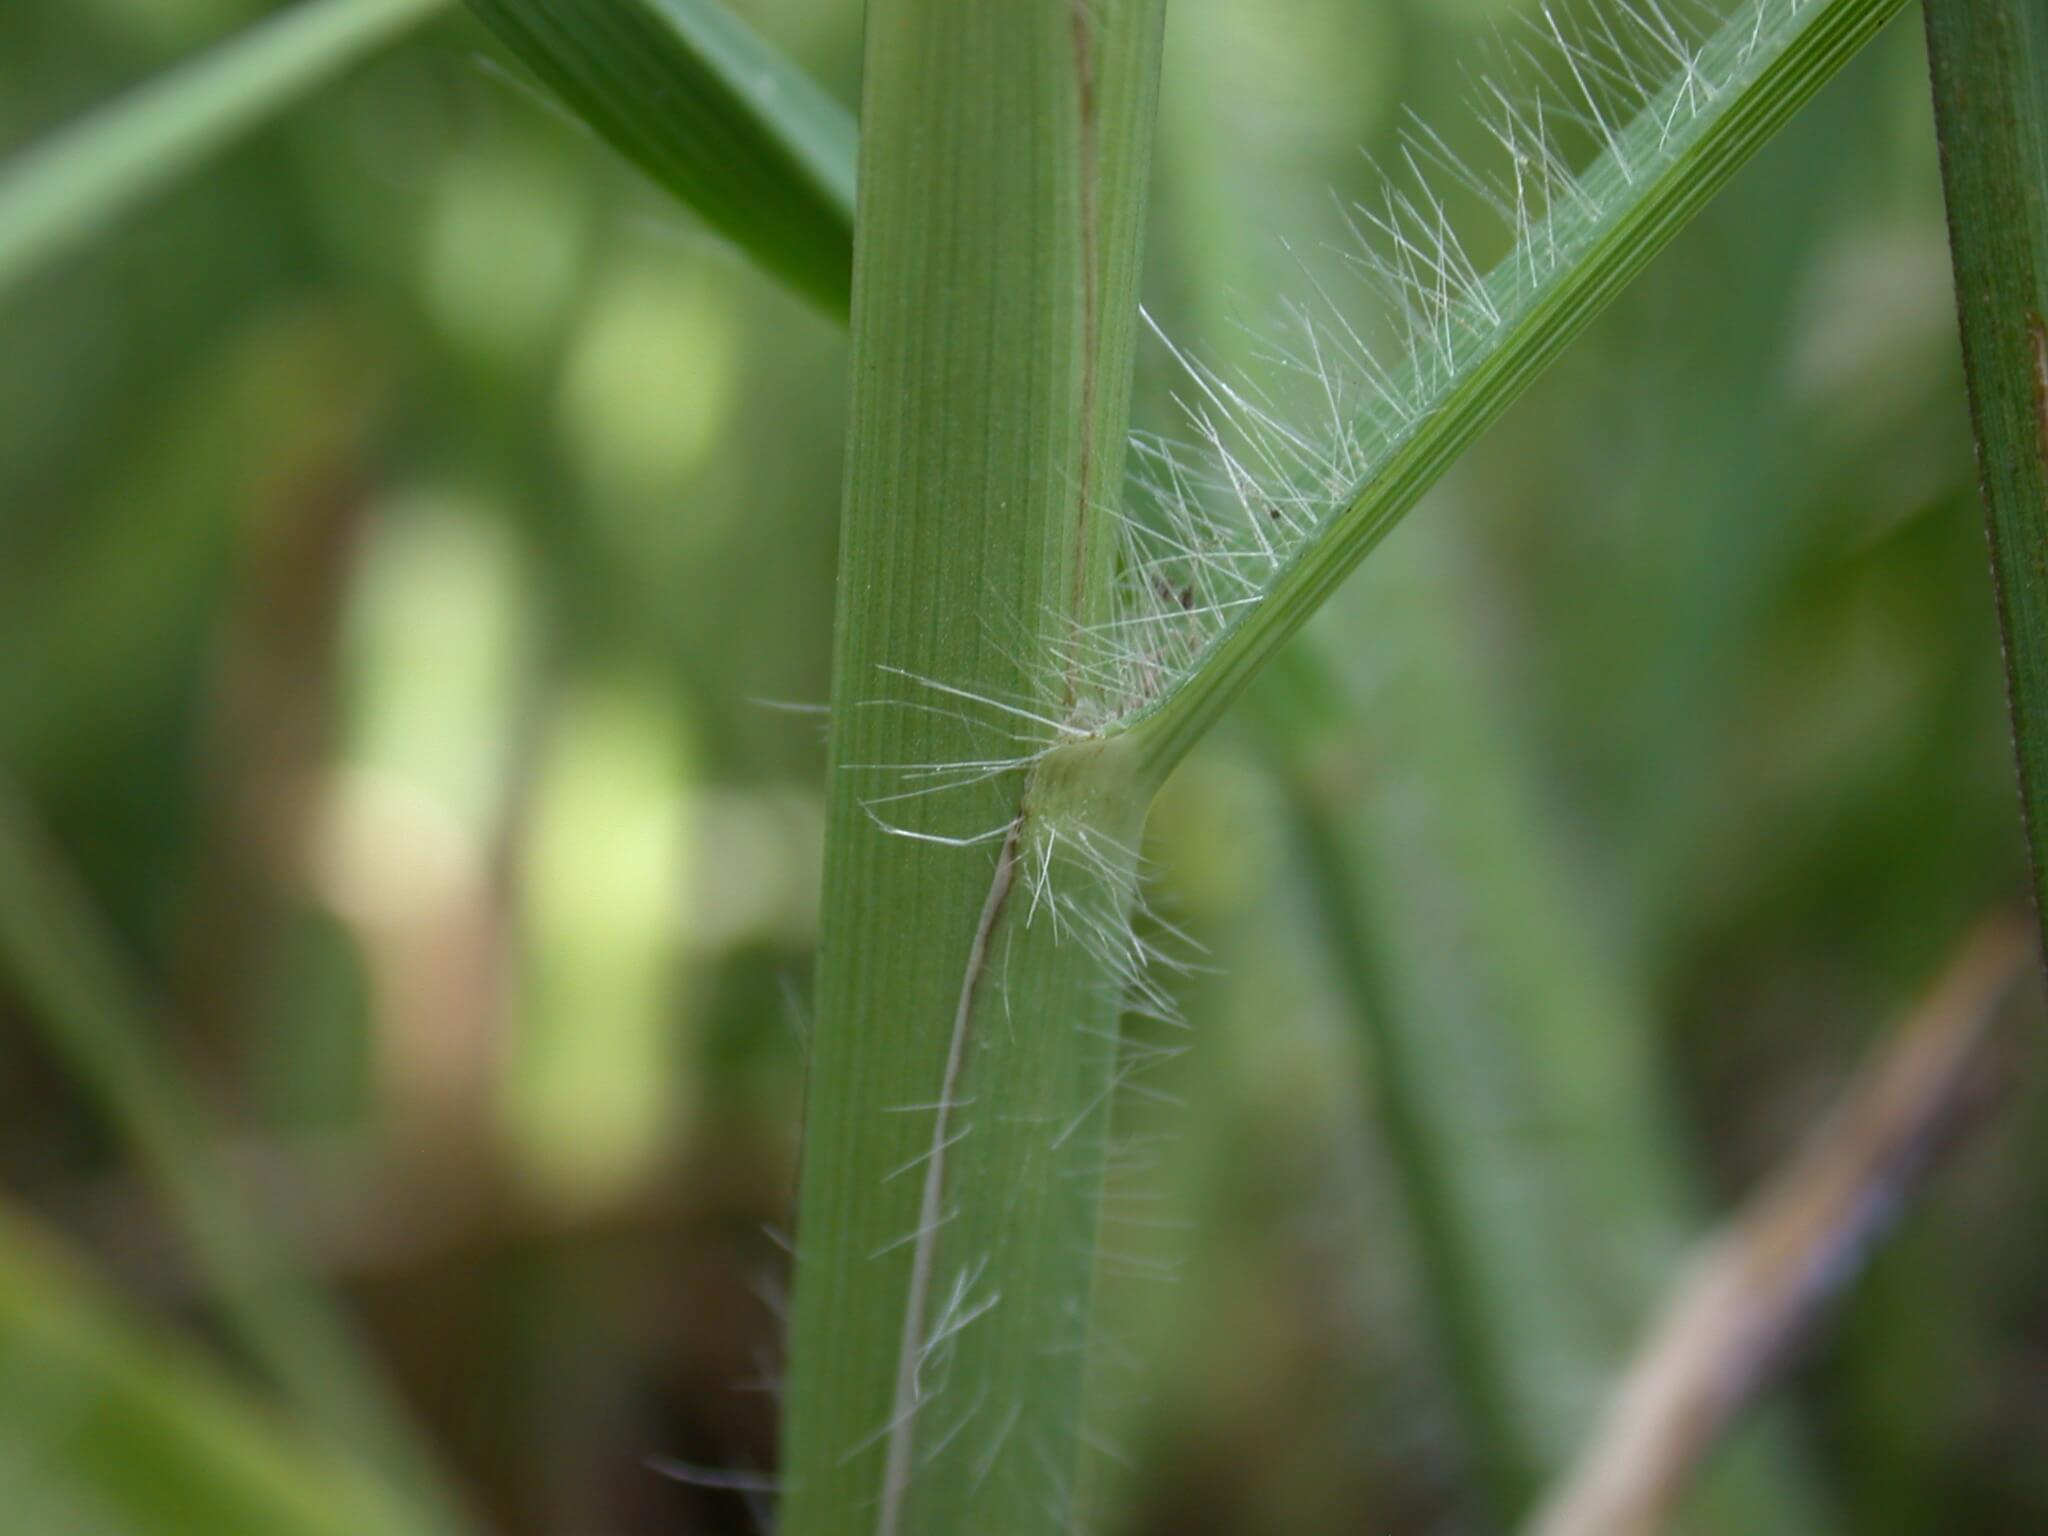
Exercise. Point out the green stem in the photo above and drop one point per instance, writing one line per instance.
(964, 1052)
(66, 188)
(1989, 62)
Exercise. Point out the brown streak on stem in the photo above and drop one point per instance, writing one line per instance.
(924, 1257)
(1084, 79)
(1763, 1281)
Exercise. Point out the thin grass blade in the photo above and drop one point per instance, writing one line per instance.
(71, 185)
(1990, 68)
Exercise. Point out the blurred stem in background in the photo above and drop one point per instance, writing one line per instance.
(109, 1427)
(1758, 1288)
(1516, 1082)
(1669, 628)
(77, 990)
(1513, 1069)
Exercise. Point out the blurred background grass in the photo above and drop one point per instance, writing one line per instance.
(413, 532)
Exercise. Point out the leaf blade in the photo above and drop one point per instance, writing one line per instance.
(715, 114)
(67, 187)
(1636, 213)
(1989, 63)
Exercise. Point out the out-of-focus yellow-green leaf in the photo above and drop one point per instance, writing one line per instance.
(106, 1426)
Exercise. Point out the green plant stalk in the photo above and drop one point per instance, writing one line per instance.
(1989, 61)
(109, 1427)
(1678, 171)
(945, 1254)
(65, 969)
(66, 188)
(691, 95)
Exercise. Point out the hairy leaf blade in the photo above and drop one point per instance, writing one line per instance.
(1774, 56)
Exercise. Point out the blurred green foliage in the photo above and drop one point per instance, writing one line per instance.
(413, 531)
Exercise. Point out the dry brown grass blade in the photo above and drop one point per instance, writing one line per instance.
(1761, 1282)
